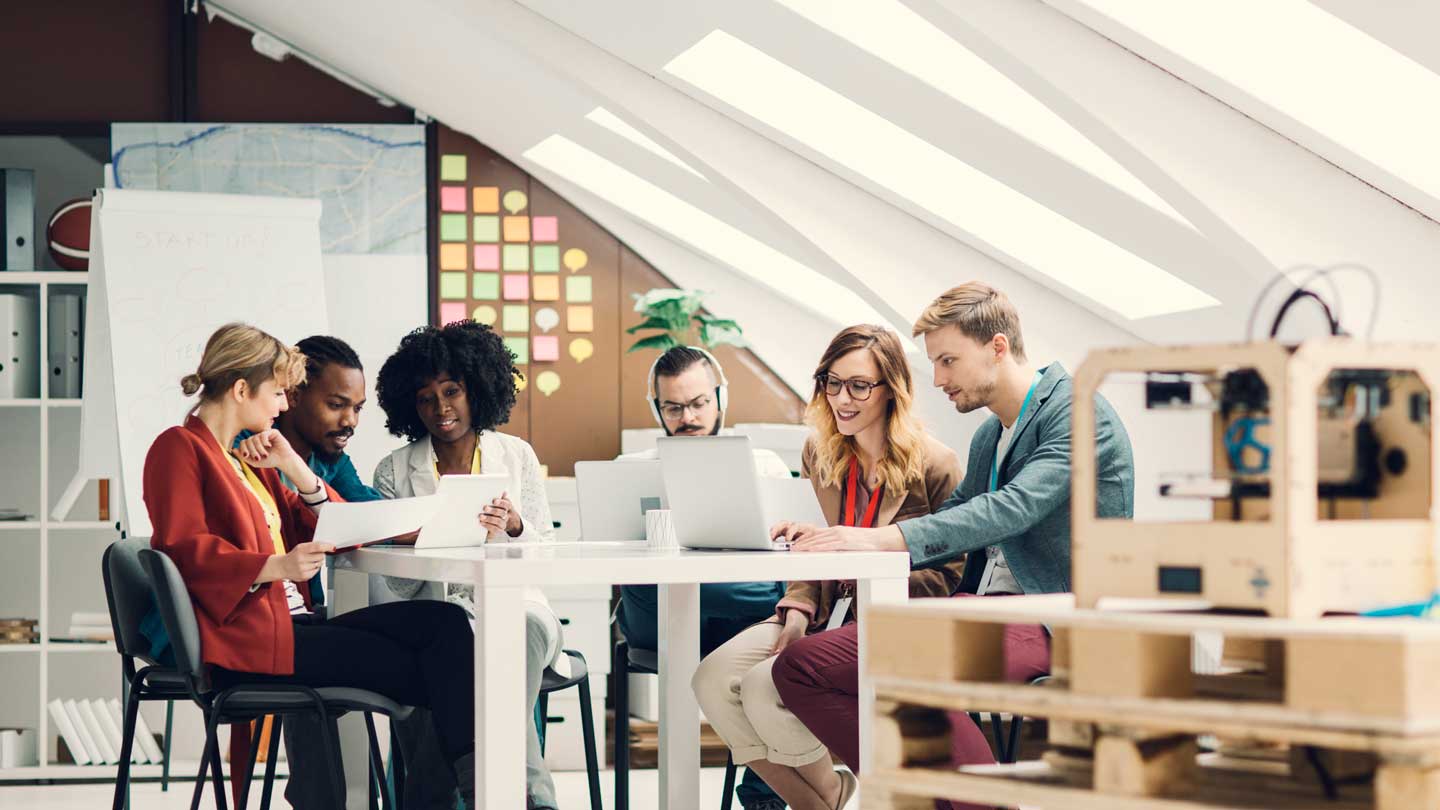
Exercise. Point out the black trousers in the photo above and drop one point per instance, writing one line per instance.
(417, 653)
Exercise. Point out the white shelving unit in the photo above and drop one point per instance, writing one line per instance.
(88, 663)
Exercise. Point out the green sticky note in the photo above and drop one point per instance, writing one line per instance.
(520, 347)
(515, 257)
(452, 167)
(547, 258)
(487, 287)
(487, 229)
(452, 285)
(578, 289)
(516, 318)
(452, 227)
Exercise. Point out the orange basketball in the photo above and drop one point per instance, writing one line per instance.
(69, 234)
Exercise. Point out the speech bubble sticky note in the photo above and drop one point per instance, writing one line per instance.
(452, 198)
(516, 318)
(452, 257)
(487, 257)
(520, 347)
(582, 349)
(545, 288)
(486, 228)
(548, 382)
(578, 290)
(517, 229)
(546, 348)
(516, 257)
(520, 382)
(452, 285)
(485, 314)
(486, 287)
(576, 259)
(517, 287)
(452, 227)
(544, 229)
(485, 200)
(580, 319)
(547, 318)
(452, 168)
(515, 201)
(547, 258)
(451, 312)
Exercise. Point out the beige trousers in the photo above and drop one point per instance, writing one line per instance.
(734, 688)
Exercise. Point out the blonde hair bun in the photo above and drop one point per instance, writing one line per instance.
(190, 384)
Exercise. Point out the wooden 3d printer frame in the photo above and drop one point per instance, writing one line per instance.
(1285, 555)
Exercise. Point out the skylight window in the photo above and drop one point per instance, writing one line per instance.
(1310, 66)
(892, 32)
(612, 122)
(859, 141)
(708, 234)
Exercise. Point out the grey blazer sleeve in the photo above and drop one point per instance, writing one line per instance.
(966, 525)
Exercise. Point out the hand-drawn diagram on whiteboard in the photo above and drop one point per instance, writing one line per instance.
(370, 179)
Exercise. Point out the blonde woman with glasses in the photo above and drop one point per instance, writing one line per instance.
(871, 464)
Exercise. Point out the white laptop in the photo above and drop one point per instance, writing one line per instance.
(718, 501)
(614, 497)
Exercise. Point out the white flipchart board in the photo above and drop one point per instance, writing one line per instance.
(166, 269)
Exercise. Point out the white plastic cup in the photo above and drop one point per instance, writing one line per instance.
(660, 529)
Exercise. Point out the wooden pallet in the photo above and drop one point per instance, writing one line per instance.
(1355, 695)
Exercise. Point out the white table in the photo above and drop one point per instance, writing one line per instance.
(501, 571)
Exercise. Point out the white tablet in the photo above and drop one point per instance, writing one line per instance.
(456, 522)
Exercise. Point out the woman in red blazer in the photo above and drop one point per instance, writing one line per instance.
(241, 540)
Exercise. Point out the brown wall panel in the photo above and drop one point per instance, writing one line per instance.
(85, 60)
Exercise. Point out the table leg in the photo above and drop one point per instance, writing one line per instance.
(869, 592)
(679, 713)
(500, 710)
(352, 592)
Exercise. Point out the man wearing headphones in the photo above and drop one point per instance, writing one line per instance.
(688, 394)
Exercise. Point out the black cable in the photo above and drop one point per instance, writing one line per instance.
(1295, 297)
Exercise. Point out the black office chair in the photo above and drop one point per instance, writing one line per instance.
(127, 595)
(1007, 747)
(629, 660)
(552, 681)
(247, 702)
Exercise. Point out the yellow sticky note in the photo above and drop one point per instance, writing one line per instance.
(452, 167)
(515, 318)
(485, 200)
(545, 288)
(580, 319)
(517, 229)
(453, 257)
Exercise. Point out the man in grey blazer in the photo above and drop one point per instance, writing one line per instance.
(1010, 514)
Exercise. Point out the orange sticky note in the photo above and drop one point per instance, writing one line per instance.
(545, 288)
(516, 229)
(580, 319)
(485, 199)
(452, 256)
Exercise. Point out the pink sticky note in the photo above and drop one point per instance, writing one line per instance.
(544, 229)
(452, 198)
(487, 257)
(517, 287)
(452, 312)
(546, 348)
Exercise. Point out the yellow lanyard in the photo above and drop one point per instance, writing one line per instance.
(267, 501)
(474, 461)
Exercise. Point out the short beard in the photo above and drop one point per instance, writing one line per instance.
(975, 400)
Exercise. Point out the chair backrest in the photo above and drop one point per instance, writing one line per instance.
(176, 611)
(128, 595)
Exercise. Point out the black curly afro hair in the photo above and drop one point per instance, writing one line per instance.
(465, 350)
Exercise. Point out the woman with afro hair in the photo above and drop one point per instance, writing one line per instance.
(446, 390)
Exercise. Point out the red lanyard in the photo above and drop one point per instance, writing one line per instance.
(848, 518)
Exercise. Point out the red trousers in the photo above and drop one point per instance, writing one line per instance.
(818, 678)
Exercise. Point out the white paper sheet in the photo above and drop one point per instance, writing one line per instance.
(344, 525)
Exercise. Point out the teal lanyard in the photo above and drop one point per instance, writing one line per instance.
(1024, 406)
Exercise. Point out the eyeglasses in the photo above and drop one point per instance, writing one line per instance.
(860, 390)
(671, 410)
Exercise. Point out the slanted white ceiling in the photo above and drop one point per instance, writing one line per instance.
(1093, 135)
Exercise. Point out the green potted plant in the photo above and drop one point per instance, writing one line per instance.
(676, 313)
